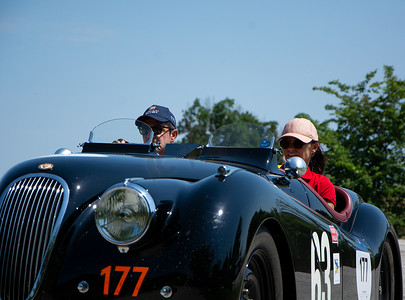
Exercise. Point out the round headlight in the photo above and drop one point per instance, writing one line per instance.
(124, 213)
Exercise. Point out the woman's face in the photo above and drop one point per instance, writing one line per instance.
(295, 147)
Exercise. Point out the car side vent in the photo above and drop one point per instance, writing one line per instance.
(31, 210)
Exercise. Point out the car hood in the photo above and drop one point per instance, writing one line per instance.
(96, 172)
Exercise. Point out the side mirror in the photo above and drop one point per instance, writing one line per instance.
(295, 167)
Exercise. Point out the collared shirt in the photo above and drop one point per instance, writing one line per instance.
(321, 184)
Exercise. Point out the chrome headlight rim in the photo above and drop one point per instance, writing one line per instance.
(148, 202)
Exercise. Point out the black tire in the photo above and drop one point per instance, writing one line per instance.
(263, 278)
(387, 274)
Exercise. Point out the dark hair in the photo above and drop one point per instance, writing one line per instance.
(318, 161)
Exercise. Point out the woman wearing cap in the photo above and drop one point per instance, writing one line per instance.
(300, 138)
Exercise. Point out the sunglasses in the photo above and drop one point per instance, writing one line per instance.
(157, 130)
(294, 143)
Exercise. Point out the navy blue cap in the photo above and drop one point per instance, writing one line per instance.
(159, 113)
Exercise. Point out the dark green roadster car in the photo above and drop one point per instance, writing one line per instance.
(218, 221)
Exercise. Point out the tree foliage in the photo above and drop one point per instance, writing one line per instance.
(200, 121)
(366, 148)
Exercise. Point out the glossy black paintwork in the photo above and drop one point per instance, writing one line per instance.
(203, 228)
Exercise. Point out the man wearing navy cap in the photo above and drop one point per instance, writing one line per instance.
(163, 124)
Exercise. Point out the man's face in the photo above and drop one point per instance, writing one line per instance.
(164, 137)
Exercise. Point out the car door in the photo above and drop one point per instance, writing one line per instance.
(319, 255)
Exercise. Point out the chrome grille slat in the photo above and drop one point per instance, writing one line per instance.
(34, 233)
(19, 215)
(31, 210)
(15, 207)
(23, 231)
(31, 219)
(35, 263)
(25, 248)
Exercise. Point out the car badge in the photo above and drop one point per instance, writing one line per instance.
(45, 166)
(264, 144)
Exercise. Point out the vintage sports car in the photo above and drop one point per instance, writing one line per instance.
(219, 221)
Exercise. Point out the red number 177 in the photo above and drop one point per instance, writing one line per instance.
(125, 271)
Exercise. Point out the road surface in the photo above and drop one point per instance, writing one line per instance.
(402, 247)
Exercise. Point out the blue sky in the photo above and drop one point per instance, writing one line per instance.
(66, 66)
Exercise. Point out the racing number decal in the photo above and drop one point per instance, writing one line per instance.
(320, 249)
(125, 271)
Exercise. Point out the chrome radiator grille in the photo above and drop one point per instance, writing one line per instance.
(31, 210)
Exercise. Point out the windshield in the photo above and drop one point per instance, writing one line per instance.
(242, 135)
(122, 130)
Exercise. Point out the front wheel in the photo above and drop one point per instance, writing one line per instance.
(263, 278)
(386, 285)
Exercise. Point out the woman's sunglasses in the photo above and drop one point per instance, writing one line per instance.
(295, 143)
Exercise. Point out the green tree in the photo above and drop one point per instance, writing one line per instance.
(366, 147)
(200, 121)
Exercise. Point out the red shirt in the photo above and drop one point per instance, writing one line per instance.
(321, 184)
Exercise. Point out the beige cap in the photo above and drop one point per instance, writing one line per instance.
(300, 128)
